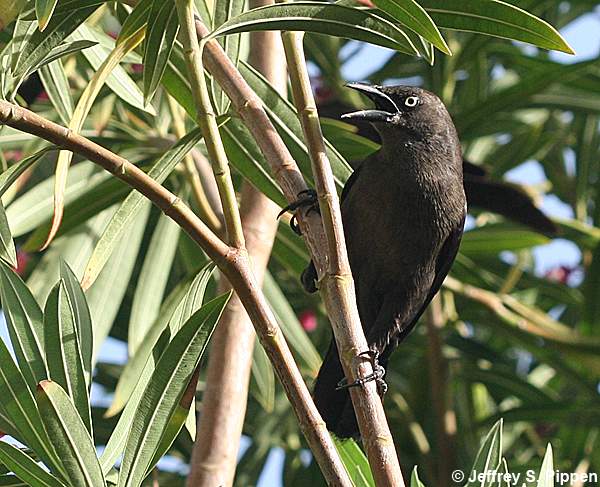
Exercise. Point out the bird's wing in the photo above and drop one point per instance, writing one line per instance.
(350, 182)
(445, 258)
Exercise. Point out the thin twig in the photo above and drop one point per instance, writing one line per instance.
(337, 284)
(214, 458)
(234, 263)
(207, 121)
(207, 214)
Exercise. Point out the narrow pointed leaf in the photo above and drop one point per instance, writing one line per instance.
(131, 206)
(8, 252)
(162, 29)
(83, 318)
(64, 21)
(82, 110)
(26, 468)
(8, 177)
(264, 378)
(223, 11)
(71, 439)
(355, 461)
(169, 381)
(322, 18)
(43, 11)
(25, 326)
(496, 18)
(57, 87)
(63, 353)
(414, 479)
(152, 281)
(19, 406)
(118, 79)
(489, 456)
(105, 296)
(410, 14)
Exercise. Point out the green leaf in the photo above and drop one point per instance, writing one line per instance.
(291, 327)
(118, 80)
(57, 87)
(152, 281)
(43, 11)
(63, 352)
(37, 46)
(11, 481)
(19, 406)
(264, 378)
(71, 439)
(180, 415)
(131, 207)
(7, 247)
(285, 118)
(245, 156)
(410, 14)
(8, 177)
(414, 479)
(546, 476)
(103, 191)
(223, 11)
(495, 238)
(139, 369)
(322, 18)
(26, 468)
(495, 18)
(105, 296)
(162, 29)
(83, 318)
(169, 381)
(489, 456)
(135, 21)
(355, 461)
(35, 206)
(25, 326)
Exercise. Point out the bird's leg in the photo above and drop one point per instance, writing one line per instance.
(306, 199)
(377, 375)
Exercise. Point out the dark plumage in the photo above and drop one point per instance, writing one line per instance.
(403, 211)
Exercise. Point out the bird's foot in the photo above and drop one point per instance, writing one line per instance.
(377, 375)
(306, 199)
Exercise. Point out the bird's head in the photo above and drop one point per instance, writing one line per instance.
(405, 112)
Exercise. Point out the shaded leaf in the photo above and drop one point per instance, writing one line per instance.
(322, 18)
(72, 441)
(170, 379)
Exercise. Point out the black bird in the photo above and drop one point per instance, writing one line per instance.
(403, 211)
(501, 197)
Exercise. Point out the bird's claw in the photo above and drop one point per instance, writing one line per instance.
(377, 375)
(306, 199)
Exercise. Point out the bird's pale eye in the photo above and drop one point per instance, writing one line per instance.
(411, 101)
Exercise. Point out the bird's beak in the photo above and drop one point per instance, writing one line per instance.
(385, 110)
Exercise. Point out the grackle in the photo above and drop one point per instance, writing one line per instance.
(403, 211)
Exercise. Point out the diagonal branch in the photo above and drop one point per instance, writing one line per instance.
(234, 263)
(337, 284)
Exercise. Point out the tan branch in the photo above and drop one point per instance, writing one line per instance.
(234, 263)
(214, 458)
(337, 284)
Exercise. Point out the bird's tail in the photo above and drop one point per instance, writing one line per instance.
(334, 405)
